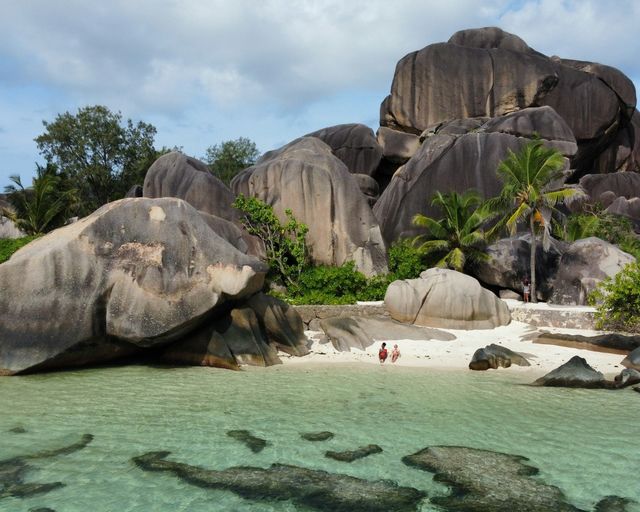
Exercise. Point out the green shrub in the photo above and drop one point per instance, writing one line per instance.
(10, 245)
(618, 300)
(405, 260)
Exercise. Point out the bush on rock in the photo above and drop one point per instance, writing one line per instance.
(618, 300)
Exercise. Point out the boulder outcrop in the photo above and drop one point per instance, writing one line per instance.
(632, 360)
(496, 356)
(136, 273)
(308, 179)
(178, 175)
(575, 373)
(447, 299)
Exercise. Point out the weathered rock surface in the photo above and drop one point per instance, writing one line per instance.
(318, 490)
(483, 480)
(8, 228)
(508, 264)
(583, 265)
(308, 179)
(445, 298)
(369, 187)
(13, 471)
(490, 37)
(575, 373)
(354, 144)
(397, 146)
(178, 175)
(633, 359)
(353, 455)
(627, 377)
(622, 184)
(255, 444)
(235, 235)
(347, 332)
(135, 191)
(135, 273)
(496, 356)
(612, 342)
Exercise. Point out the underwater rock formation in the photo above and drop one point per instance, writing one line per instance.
(317, 436)
(352, 455)
(318, 490)
(255, 444)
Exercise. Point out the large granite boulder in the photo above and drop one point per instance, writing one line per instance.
(136, 273)
(583, 265)
(622, 184)
(354, 144)
(632, 360)
(490, 37)
(8, 228)
(178, 175)
(397, 146)
(627, 377)
(447, 299)
(508, 264)
(316, 186)
(496, 356)
(575, 373)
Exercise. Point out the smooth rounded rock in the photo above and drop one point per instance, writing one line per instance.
(575, 373)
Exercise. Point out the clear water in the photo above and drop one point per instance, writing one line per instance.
(584, 441)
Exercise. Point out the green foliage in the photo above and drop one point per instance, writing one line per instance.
(618, 300)
(526, 195)
(104, 156)
(230, 157)
(44, 206)
(457, 239)
(406, 261)
(284, 243)
(10, 245)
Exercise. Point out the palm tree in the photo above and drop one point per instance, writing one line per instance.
(43, 206)
(458, 238)
(526, 195)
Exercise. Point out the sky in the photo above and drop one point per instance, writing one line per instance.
(206, 71)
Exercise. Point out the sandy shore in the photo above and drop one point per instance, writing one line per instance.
(457, 353)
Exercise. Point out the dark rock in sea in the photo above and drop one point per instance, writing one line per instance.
(627, 377)
(347, 332)
(41, 509)
(637, 388)
(14, 470)
(483, 480)
(317, 436)
(575, 373)
(136, 273)
(610, 342)
(318, 490)
(496, 356)
(18, 430)
(633, 359)
(255, 444)
(614, 504)
(352, 455)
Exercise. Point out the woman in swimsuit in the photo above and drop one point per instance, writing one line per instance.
(382, 353)
(395, 354)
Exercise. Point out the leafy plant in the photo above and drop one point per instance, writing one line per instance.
(406, 261)
(10, 245)
(618, 300)
(284, 243)
(527, 196)
(230, 157)
(458, 238)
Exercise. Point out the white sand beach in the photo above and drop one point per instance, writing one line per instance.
(456, 354)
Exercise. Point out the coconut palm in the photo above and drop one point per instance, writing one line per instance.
(528, 195)
(458, 238)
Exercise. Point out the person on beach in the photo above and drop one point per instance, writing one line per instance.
(395, 354)
(382, 353)
(525, 289)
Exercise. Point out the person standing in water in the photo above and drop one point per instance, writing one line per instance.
(395, 354)
(382, 353)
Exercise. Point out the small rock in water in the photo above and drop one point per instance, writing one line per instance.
(350, 456)
(613, 504)
(18, 430)
(255, 444)
(316, 489)
(575, 373)
(317, 436)
(41, 509)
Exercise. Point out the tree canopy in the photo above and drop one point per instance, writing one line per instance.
(102, 154)
(230, 157)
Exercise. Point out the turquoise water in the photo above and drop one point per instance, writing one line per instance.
(583, 441)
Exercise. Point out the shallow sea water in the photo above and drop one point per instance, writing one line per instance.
(583, 441)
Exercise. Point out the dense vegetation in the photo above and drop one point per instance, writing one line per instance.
(230, 157)
(10, 245)
(618, 300)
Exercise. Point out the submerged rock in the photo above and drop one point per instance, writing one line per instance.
(495, 356)
(18, 430)
(255, 444)
(315, 489)
(613, 504)
(317, 436)
(14, 470)
(351, 455)
(575, 373)
(483, 480)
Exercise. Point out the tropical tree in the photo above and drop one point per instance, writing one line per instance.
(527, 195)
(102, 154)
(44, 206)
(458, 238)
(230, 157)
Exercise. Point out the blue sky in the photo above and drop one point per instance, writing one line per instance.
(272, 70)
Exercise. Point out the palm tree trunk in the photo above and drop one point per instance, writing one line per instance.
(532, 260)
